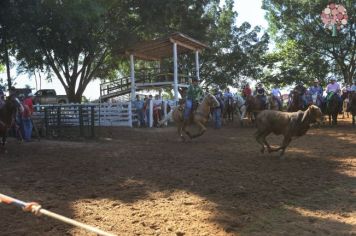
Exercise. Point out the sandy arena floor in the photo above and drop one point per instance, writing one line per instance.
(146, 182)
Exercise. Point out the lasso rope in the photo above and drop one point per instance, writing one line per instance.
(36, 209)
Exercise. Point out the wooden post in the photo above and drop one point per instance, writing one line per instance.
(151, 114)
(175, 71)
(132, 75)
(197, 64)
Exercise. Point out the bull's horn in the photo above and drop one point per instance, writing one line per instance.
(306, 113)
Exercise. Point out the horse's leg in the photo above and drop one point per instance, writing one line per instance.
(179, 131)
(202, 129)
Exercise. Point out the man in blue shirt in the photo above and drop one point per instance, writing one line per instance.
(316, 90)
(138, 104)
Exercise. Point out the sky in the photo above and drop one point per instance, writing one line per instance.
(248, 10)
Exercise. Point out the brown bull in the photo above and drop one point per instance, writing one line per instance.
(199, 117)
(288, 124)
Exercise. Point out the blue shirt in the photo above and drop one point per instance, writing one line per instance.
(138, 104)
(316, 90)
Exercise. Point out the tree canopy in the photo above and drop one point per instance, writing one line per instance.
(305, 49)
(78, 41)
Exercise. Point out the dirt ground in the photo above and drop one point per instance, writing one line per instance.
(146, 182)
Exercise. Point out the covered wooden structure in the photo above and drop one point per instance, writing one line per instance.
(157, 50)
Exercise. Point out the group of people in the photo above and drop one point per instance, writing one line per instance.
(23, 125)
(142, 108)
(195, 93)
(332, 89)
(315, 91)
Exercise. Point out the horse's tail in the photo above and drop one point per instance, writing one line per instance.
(166, 118)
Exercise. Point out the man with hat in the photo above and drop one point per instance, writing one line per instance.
(194, 94)
(217, 111)
(260, 93)
(316, 90)
(301, 90)
(333, 88)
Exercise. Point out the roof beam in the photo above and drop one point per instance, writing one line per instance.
(143, 56)
(184, 45)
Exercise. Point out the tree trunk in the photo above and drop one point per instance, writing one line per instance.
(72, 96)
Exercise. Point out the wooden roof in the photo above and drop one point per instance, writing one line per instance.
(163, 48)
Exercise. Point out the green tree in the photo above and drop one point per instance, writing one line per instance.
(318, 53)
(234, 53)
(78, 41)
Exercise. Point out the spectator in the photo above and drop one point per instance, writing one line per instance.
(353, 87)
(147, 109)
(139, 105)
(246, 91)
(276, 94)
(26, 118)
(217, 112)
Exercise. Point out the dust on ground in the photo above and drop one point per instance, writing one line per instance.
(147, 182)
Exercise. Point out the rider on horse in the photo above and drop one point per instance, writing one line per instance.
(332, 89)
(194, 94)
(352, 91)
(317, 90)
(261, 94)
(301, 90)
(246, 91)
(277, 95)
(227, 94)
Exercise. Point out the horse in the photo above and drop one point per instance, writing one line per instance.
(254, 105)
(228, 112)
(296, 102)
(353, 107)
(199, 117)
(8, 114)
(331, 108)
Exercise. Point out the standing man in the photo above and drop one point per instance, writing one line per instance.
(147, 109)
(353, 87)
(194, 94)
(26, 117)
(227, 94)
(217, 112)
(276, 94)
(139, 108)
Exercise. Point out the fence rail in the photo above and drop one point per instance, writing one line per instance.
(57, 119)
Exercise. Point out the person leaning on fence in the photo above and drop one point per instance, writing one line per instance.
(139, 104)
(194, 94)
(26, 118)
